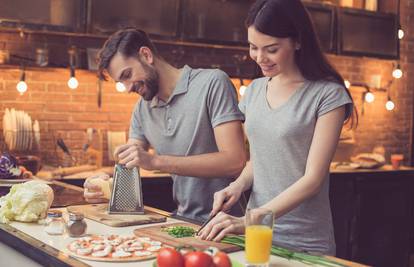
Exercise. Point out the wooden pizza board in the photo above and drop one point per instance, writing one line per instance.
(99, 213)
(157, 233)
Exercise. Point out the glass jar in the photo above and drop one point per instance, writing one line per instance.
(76, 226)
(54, 223)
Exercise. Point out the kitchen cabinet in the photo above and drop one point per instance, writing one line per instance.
(324, 21)
(158, 17)
(215, 21)
(366, 33)
(51, 15)
(373, 214)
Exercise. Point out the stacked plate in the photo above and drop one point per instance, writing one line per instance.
(18, 130)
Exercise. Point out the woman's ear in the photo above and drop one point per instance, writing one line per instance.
(146, 54)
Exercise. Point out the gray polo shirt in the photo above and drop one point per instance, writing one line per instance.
(184, 126)
(280, 139)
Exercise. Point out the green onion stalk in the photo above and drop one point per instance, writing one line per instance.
(286, 253)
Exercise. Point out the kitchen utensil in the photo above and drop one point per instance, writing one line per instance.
(65, 149)
(157, 232)
(205, 223)
(99, 213)
(126, 197)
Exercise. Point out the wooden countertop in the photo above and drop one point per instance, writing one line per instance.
(385, 168)
(31, 239)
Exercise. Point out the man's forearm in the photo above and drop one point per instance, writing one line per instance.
(210, 165)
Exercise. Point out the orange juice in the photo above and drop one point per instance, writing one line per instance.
(258, 243)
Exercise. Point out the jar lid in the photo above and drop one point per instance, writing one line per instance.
(54, 213)
(76, 216)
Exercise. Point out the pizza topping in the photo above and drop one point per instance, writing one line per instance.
(101, 253)
(121, 254)
(154, 248)
(114, 246)
(142, 253)
(84, 251)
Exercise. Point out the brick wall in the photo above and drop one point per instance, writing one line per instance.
(68, 113)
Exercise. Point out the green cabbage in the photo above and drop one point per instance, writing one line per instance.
(27, 202)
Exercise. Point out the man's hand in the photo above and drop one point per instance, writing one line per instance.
(132, 155)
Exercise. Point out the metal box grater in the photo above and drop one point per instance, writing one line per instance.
(126, 197)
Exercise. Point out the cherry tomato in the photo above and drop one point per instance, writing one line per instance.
(169, 257)
(198, 259)
(221, 259)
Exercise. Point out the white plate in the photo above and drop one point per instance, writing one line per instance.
(6, 127)
(36, 129)
(30, 132)
(13, 129)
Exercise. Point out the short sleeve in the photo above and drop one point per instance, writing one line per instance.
(222, 100)
(246, 97)
(334, 96)
(136, 130)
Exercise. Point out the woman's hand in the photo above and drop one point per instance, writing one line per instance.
(221, 225)
(226, 198)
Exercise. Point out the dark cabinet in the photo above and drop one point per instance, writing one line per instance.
(159, 17)
(215, 20)
(373, 217)
(365, 33)
(324, 22)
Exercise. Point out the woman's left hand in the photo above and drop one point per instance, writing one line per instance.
(221, 225)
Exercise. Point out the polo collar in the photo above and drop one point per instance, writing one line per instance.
(180, 88)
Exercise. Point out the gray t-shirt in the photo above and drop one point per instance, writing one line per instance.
(279, 141)
(184, 126)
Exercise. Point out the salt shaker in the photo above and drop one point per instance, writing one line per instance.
(54, 223)
(76, 226)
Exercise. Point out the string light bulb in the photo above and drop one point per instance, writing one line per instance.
(73, 82)
(389, 105)
(120, 87)
(400, 33)
(242, 88)
(397, 72)
(22, 85)
(369, 97)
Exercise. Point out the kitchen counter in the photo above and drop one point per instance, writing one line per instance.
(30, 240)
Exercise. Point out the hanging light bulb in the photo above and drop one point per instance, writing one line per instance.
(21, 85)
(120, 87)
(73, 82)
(242, 88)
(397, 73)
(347, 84)
(400, 33)
(389, 105)
(369, 97)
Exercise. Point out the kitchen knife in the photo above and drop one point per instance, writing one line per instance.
(65, 149)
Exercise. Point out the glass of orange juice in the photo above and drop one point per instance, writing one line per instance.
(259, 231)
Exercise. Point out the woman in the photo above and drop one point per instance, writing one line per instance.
(294, 116)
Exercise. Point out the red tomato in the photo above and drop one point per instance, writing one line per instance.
(169, 257)
(198, 259)
(221, 259)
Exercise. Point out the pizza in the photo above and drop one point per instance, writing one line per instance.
(114, 248)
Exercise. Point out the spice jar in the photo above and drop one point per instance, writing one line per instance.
(76, 226)
(54, 223)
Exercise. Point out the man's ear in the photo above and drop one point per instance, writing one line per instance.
(146, 54)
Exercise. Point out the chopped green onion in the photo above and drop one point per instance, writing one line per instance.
(286, 253)
(179, 231)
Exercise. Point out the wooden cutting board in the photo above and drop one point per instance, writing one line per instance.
(99, 213)
(156, 233)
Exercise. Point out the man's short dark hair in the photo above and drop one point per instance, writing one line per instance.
(127, 42)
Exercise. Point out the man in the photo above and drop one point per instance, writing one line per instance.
(189, 116)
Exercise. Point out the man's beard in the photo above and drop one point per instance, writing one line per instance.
(151, 83)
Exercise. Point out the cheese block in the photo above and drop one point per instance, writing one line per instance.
(105, 184)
